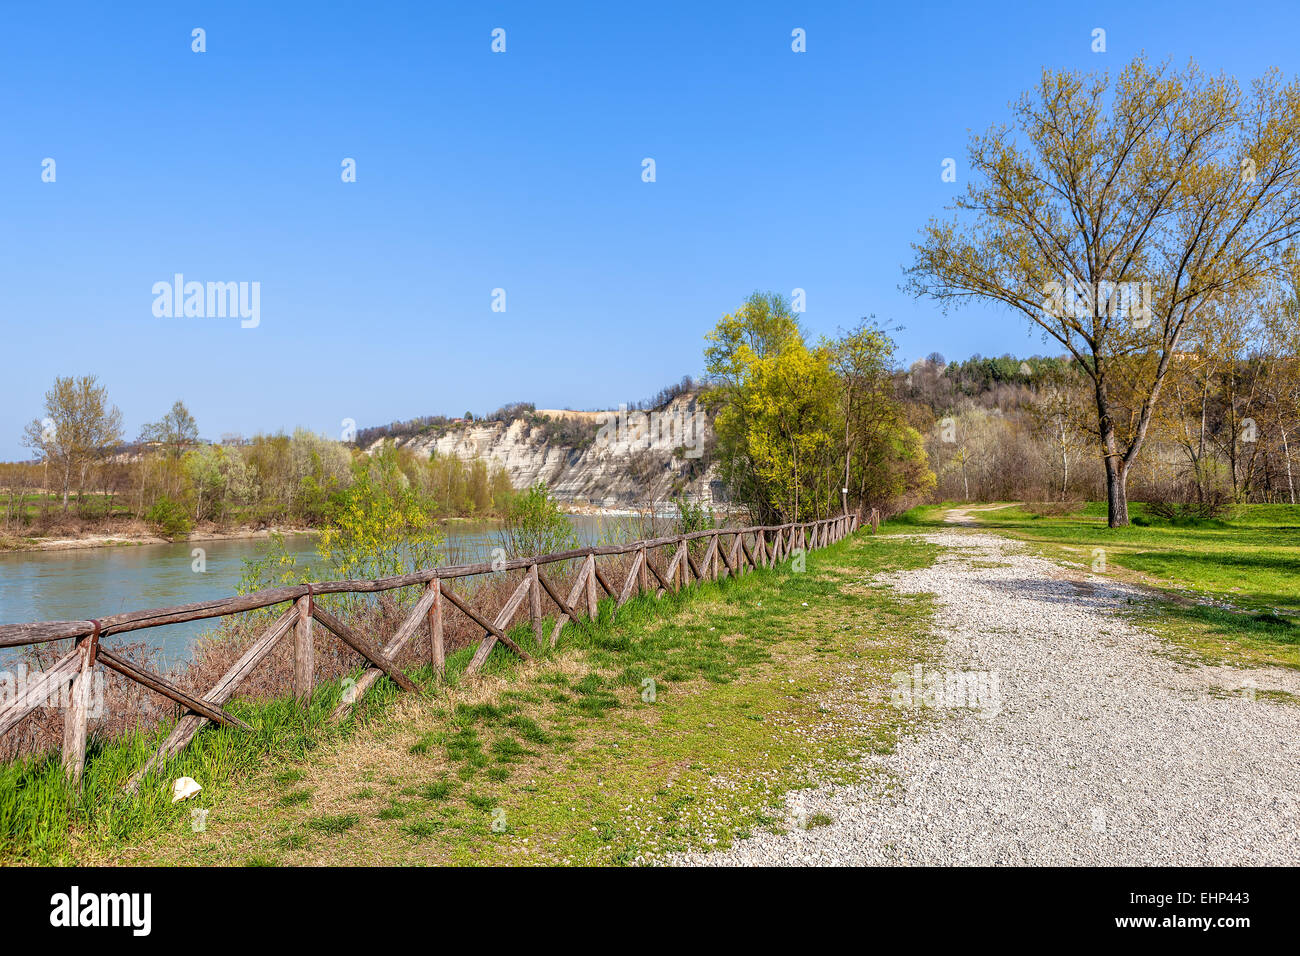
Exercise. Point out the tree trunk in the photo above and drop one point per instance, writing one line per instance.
(1286, 456)
(1116, 465)
(1201, 483)
(1116, 493)
(844, 492)
(1065, 462)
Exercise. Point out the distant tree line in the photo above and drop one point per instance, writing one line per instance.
(1224, 431)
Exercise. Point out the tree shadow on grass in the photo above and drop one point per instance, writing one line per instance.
(1274, 625)
(1265, 627)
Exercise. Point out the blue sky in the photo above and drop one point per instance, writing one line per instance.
(477, 171)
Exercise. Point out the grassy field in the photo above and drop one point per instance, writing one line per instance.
(680, 725)
(1232, 586)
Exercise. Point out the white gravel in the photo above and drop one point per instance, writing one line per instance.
(1103, 751)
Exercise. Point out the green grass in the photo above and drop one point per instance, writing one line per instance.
(438, 790)
(42, 819)
(1250, 562)
(679, 725)
(922, 516)
(338, 823)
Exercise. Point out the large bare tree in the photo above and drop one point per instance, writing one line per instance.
(1110, 215)
(80, 426)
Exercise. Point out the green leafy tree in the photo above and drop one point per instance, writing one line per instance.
(884, 459)
(218, 478)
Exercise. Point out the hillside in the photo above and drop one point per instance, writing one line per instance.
(599, 459)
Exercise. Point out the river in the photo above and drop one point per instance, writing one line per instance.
(88, 583)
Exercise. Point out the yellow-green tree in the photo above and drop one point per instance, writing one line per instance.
(379, 526)
(788, 410)
(768, 426)
(795, 424)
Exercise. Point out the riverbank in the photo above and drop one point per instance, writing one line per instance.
(132, 533)
(129, 538)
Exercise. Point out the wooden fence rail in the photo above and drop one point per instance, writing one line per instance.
(749, 548)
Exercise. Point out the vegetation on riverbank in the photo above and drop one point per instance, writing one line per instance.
(377, 527)
(679, 725)
(170, 483)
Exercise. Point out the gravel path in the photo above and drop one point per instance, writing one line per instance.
(1086, 745)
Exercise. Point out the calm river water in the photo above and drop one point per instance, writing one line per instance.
(96, 582)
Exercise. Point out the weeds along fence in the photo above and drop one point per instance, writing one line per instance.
(658, 565)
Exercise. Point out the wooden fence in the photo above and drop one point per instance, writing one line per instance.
(748, 548)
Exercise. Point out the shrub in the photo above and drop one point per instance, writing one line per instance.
(693, 516)
(170, 517)
(379, 526)
(535, 525)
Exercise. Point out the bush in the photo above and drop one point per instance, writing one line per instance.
(379, 527)
(535, 525)
(170, 517)
(693, 516)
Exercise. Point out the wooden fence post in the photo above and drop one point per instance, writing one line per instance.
(591, 586)
(535, 604)
(437, 652)
(304, 658)
(74, 717)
